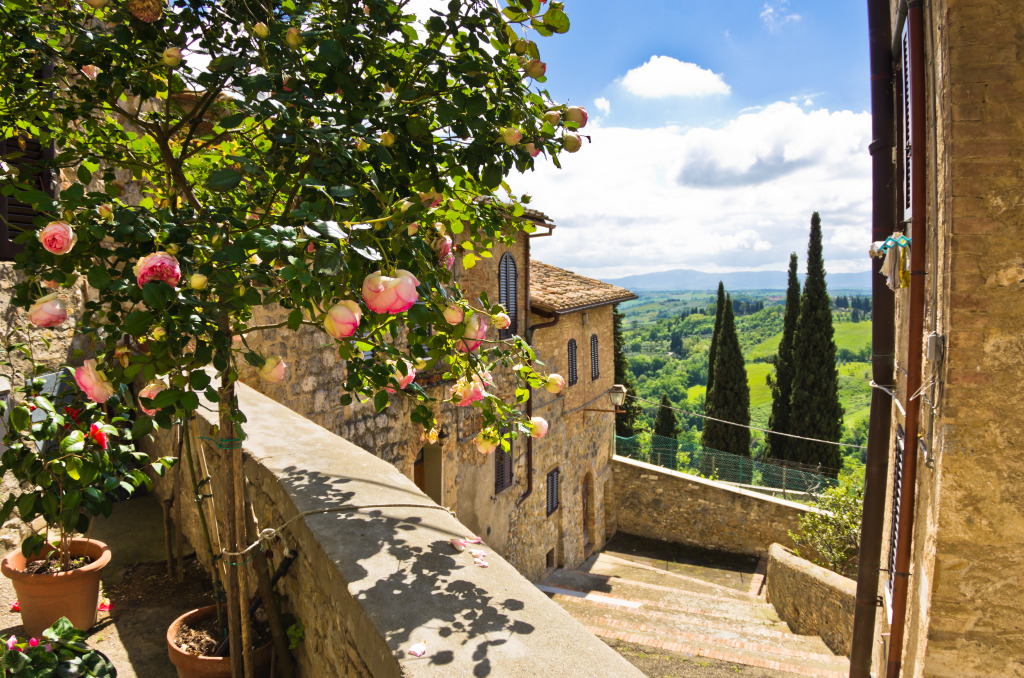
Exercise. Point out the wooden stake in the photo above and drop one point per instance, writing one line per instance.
(266, 590)
(233, 470)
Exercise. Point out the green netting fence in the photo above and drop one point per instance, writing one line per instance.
(717, 465)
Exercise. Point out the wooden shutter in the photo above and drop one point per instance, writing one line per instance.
(17, 217)
(906, 149)
(595, 371)
(552, 487)
(573, 374)
(508, 297)
(894, 528)
(503, 467)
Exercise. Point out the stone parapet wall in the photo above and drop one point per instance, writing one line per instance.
(655, 502)
(369, 584)
(811, 599)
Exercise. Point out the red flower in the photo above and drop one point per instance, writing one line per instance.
(97, 435)
(72, 412)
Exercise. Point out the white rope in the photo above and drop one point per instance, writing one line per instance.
(752, 428)
(892, 394)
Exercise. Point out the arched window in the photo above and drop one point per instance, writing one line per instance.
(594, 371)
(508, 281)
(573, 374)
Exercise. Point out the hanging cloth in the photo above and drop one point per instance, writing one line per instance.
(890, 266)
(905, 266)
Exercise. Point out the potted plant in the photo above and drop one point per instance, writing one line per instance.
(73, 458)
(59, 652)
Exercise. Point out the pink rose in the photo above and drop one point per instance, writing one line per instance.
(12, 642)
(577, 114)
(431, 198)
(48, 311)
(454, 314)
(171, 57)
(511, 136)
(343, 319)
(93, 382)
(571, 142)
(554, 117)
(535, 68)
(273, 370)
(90, 71)
(538, 427)
(414, 228)
(501, 320)
(384, 294)
(158, 266)
(443, 247)
(403, 380)
(555, 383)
(149, 391)
(476, 329)
(532, 149)
(470, 390)
(486, 441)
(58, 237)
(33, 642)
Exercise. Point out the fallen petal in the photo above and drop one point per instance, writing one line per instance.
(105, 605)
(459, 545)
(419, 649)
(15, 607)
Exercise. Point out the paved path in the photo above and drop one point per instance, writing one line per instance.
(684, 607)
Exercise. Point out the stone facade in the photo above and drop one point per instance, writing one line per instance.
(655, 502)
(964, 613)
(811, 599)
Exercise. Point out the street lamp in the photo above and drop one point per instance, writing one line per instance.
(617, 394)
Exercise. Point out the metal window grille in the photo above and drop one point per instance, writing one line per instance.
(17, 217)
(894, 527)
(595, 372)
(503, 466)
(573, 374)
(906, 151)
(552, 491)
(508, 280)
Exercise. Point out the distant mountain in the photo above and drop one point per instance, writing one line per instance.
(682, 279)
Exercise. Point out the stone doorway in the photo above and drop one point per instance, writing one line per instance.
(428, 472)
(588, 517)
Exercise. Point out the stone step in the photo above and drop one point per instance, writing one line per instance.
(669, 623)
(751, 655)
(732, 580)
(612, 566)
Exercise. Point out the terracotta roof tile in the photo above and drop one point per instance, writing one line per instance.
(556, 289)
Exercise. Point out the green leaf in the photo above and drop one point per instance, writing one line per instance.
(417, 126)
(233, 120)
(21, 418)
(137, 323)
(142, 427)
(198, 379)
(84, 175)
(491, 177)
(380, 401)
(189, 401)
(157, 294)
(295, 319)
(73, 443)
(556, 20)
(98, 277)
(73, 467)
(223, 179)
(27, 506)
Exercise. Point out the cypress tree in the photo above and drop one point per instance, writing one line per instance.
(719, 311)
(665, 426)
(782, 389)
(729, 396)
(814, 410)
(625, 424)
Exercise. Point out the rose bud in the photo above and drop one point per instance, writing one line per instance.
(343, 319)
(197, 281)
(476, 330)
(93, 382)
(538, 427)
(486, 441)
(521, 46)
(532, 149)
(511, 136)
(273, 370)
(501, 320)
(158, 333)
(361, 145)
(171, 57)
(293, 37)
(90, 71)
(260, 30)
(48, 311)
(454, 315)
(387, 139)
(553, 117)
(122, 355)
(384, 294)
(555, 383)
(57, 237)
(403, 379)
(106, 212)
(172, 249)
(414, 228)
(571, 142)
(158, 266)
(577, 114)
(149, 391)
(431, 198)
(96, 4)
(535, 68)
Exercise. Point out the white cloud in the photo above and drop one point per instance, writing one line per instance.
(777, 15)
(664, 76)
(603, 105)
(732, 198)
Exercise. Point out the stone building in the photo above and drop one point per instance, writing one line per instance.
(506, 498)
(955, 462)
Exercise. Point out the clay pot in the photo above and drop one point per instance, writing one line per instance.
(193, 666)
(45, 598)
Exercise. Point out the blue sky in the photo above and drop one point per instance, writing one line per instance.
(715, 129)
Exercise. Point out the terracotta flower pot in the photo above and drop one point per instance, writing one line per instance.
(45, 598)
(193, 666)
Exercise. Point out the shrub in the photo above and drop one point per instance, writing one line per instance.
(832, 537)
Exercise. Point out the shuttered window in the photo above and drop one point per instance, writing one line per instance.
(552, 491)
(17, 217)
(595, 371)
(503, 466)
(508, 280)
(905, 151)
(573, 372)
(894, 528)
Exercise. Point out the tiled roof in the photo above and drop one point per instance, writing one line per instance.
(531, 214)
(554, 289)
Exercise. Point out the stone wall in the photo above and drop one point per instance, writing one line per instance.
(655, 502)
(811, 599)
(369, 584)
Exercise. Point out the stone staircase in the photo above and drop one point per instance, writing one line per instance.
(688, 611)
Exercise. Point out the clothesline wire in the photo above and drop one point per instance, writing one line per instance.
(752, 428)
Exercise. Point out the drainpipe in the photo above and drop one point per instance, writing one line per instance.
(908, 487)
(529, 401)
(883, 219)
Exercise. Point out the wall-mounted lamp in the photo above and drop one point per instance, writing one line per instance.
(617, 394)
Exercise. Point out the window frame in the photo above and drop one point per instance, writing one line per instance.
(552, 494)
(508, 293)
(572, 359)
(595, 369)
(504, 465)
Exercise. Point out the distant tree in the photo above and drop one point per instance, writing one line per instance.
(626, 424)
(675, 343)
(814, 410)
(665, 421)
(728, 397)
(782, 388)
(719, 312)
(855, 316)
